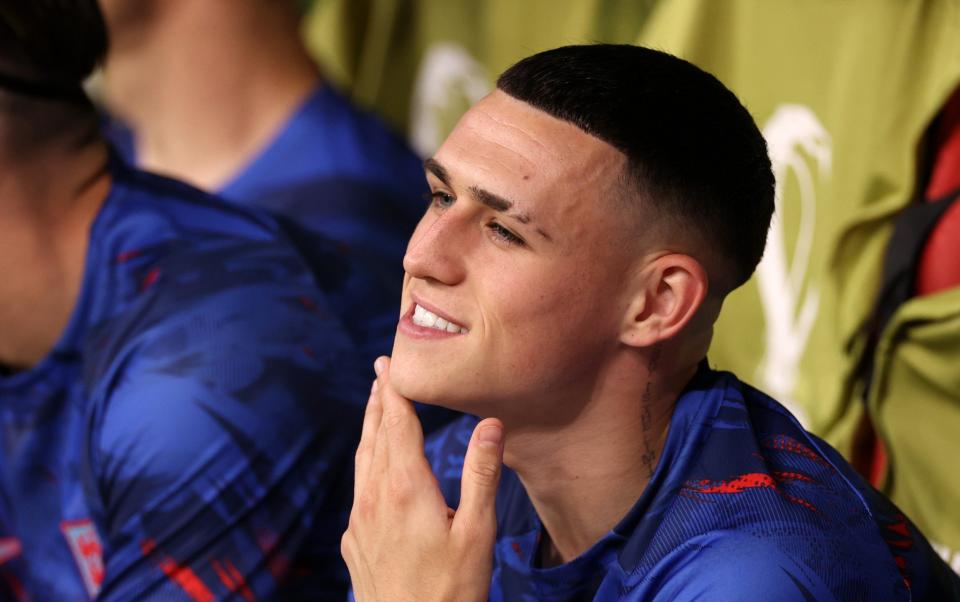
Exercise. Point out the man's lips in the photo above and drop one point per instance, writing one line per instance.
(425, 320)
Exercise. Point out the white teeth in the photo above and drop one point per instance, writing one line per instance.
(422, 317)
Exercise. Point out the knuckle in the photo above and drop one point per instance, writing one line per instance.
(364, 508)
(346, 544)
(363, 451)
(400, 489)
(485, 473)
(392, 418)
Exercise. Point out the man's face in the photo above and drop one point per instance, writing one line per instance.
(522, 255)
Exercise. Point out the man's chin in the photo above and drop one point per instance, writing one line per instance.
(413, 391)
(413, 384)
(426, 388)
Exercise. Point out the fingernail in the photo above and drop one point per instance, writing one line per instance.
(490, 435)
(378, 365)
(373, 387)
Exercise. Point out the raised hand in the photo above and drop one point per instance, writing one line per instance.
(403, 542)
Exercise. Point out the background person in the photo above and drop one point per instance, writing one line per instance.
(223, 95)
(177, 399)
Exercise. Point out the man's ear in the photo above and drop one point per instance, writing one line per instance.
(669, 290)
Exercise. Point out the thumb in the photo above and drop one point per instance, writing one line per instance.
(481, 475)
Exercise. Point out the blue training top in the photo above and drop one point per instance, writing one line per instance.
(191, 435)
(337, 171)
(333, 169)
(744, 505)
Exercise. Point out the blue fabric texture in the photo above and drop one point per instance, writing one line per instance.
(343, 186)
(743, 505)
(339, 171)
(334, 169)
(191, 435)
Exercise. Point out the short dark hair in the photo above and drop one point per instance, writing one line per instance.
(57, 42)
(692, 148)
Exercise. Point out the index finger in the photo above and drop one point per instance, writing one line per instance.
(372, 416)
(401, 434)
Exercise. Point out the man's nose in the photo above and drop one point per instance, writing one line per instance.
(436, 249)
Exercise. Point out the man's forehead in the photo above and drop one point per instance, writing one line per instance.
(527, 139)
(553, 173)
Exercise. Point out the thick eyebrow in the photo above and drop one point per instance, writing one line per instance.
(498, 203)
(494, 201)
(434, 167)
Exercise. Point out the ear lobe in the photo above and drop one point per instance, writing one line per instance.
(673, 289)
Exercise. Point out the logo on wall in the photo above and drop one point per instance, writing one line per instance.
(800, 149)
(448, 83)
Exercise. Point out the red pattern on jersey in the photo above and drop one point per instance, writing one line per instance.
(749, 481)
(181, 575)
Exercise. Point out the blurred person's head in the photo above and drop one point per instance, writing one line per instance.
(196, 89)
(56, 42)
(47, 49)
(53, 168)
(591, 212)
(134, 22)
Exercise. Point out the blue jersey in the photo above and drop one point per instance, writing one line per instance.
(337, 171)
(743, 505)
(190, 437)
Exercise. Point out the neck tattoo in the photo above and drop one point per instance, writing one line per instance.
(649, 457)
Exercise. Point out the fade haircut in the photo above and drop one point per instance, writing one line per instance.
(57, 43)
(694, 153)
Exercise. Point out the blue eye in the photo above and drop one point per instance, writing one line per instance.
(441, 199)
(505, 235)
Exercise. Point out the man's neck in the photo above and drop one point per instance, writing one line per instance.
(208, 86)
(49, 198)
(584, 477)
